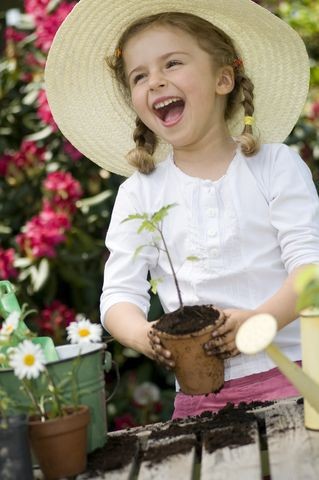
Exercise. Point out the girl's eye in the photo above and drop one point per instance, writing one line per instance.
(172, 63)
(138, 77)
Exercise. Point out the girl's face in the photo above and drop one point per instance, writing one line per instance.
(175, 89)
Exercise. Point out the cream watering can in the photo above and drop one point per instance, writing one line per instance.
(257, 334)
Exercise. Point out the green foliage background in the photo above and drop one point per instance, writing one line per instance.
(74, 275)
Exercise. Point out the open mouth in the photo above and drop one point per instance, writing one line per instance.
(170, 110)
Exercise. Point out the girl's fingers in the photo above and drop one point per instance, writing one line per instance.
(162, 355)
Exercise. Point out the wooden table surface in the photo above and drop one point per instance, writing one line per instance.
(281, 448)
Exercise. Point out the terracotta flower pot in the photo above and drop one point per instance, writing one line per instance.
(196, 372)
(60, 444)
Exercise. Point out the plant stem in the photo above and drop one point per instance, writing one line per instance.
(172, 268)
(36, 404)
(55, 394)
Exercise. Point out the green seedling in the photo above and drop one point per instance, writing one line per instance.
(154, 223)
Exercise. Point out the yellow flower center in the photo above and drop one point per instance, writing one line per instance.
(84, 332)
(9, 329)
(29, 360)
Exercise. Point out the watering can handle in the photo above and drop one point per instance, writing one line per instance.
(8, 300)
(108, 365)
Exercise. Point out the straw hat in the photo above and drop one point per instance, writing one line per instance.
(89, 109)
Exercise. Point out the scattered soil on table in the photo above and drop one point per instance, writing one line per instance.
(190, 319)
(231, 427)
(117, 453)
(158, 453)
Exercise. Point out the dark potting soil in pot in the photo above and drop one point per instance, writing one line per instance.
(190, 319)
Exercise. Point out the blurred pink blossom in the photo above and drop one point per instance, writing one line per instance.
(124, 421)
(44, 111)
(47, 24)
(43, 233)
(14, 35)
(4, 163)
(7, 269)
(29, 155)
(64, 190)
(71, 151)
(36, 7)
(54, 319)
(315, 110)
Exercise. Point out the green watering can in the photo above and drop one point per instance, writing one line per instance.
(9, 304)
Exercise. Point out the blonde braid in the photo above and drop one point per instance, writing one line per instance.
(249, 143)
(141, 157)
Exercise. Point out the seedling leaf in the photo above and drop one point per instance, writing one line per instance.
(154, 284)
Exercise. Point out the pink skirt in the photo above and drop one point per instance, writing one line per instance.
(264, 386)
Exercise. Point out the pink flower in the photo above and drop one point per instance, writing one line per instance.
(11, 34)
(29, 155)
(54, 319)
(43, 233)
(71, 151)
(64, 190)
(48, 24)
(4, 163)
(7, 269)
(315, 110)
(44, 111)
(124, 421)
(36, 7)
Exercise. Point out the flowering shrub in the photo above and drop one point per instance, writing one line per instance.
(54, 203)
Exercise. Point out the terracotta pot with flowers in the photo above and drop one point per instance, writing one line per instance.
(57, 430)
(57, 425)
(186, 330)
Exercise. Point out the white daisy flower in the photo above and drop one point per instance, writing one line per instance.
(27, 360)
(10, 324)
(84, 331)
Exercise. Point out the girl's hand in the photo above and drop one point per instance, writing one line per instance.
(223, 337)
(161, 355)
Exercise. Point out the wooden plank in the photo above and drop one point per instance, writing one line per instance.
(178, 466)
(242, 462)
(292, 450)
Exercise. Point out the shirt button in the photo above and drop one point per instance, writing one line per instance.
(212, 212)
(212, 232)
(214, 252)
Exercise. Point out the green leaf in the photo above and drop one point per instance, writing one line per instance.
(147, 225)
(154, 282)
(39, 275)
(139, 249)
(53, 4)
(89, 202)
(162, 213)
(135, 216)
(192, 258)
(40, 135)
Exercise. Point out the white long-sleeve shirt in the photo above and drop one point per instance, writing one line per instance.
(248, 229)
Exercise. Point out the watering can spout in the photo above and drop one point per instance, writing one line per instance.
(257, 334)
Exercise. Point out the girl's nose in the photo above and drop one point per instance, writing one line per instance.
(156, 81)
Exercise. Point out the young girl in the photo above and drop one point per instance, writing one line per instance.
(221, 84)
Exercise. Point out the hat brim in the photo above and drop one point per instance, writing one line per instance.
(89, 109)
